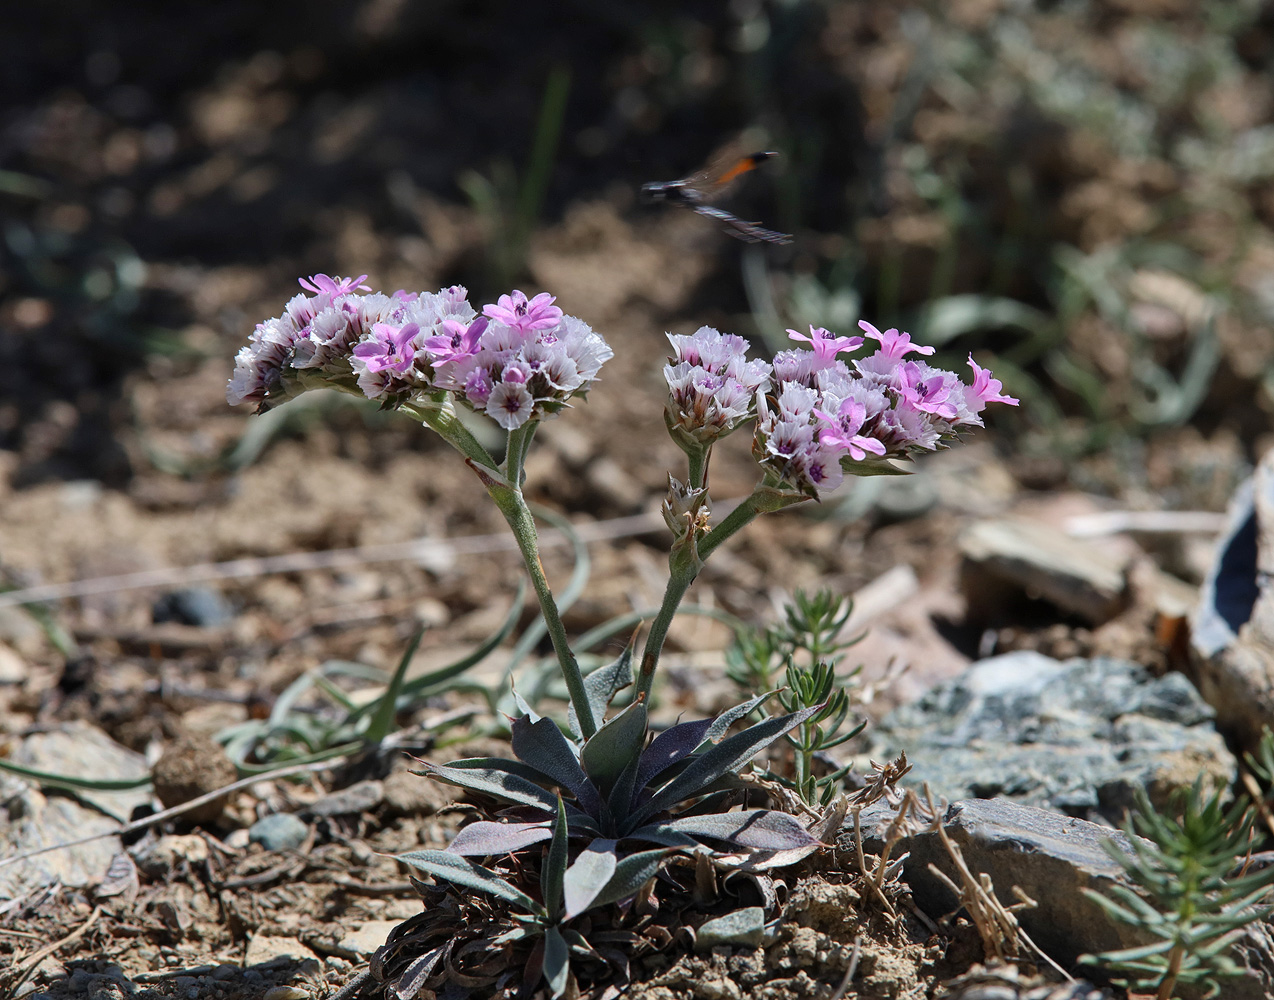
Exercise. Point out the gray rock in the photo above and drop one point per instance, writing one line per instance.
(81, 750)
(31, 819)
(1078, 736)
(363, 796)
(744, 927)
(1232, 629)
(1050, 857)
(279, 832)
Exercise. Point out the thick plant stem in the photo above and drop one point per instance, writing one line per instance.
(683, 571)
(518, 515)
(678, 584)
(697, 467)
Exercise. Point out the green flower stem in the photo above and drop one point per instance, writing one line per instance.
(516, 451)
(678, 584)
(518, 515)
(697, 463)
(683, 571)
(442, 418)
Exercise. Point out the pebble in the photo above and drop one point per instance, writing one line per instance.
(200, 606)
(363, 796)
(279, 832)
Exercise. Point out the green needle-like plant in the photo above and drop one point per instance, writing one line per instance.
(806, 647)
(1193, 895)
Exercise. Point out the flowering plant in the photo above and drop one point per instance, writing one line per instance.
(520, 361)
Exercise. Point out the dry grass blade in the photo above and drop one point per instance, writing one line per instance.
(997, 925)
(167, 814)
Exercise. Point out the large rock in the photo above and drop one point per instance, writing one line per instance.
(35, 820)
(1053, 859)
(1077, 736)
(1232, 629)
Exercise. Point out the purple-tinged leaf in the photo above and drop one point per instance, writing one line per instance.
(670, 746)
(483, 838)
(658, 833)
(759, 829)
(631, 874)
(498, 783)
(589, 875)
(461, 871)
(557, 962)
(727, 757)
(542, 745)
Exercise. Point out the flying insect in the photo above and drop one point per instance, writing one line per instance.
(701, 188)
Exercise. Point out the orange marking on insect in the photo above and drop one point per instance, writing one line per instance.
(743, 166)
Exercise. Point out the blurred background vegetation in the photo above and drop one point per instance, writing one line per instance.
(1082, 190)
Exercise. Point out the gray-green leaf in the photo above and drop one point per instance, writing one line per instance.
(614, 746)
(557, 961)
(589, 875)
(461, 871)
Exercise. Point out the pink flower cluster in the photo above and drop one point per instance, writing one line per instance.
(519, 360)
(712, 385)
(819, 417)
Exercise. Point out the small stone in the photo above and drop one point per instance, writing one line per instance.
(745, 927)
(366, 938)
(263, 948)
(13, 668)
(285, 993)
(238, 839)
(167, 854)
(279, 832)
(201, 606)
(408, 794)
(192, 767)
(363, 796)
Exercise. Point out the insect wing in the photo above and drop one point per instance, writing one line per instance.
(748, 232)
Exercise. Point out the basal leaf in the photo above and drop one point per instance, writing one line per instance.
(759, 829)
(602, 685)
(722, 723)
(631, 874)
(589, 875)
(557, 961)
(461, 871)
(554, 870)
(727, 757)
(669, 747)
(658, 833)
(498, 783)
(614, 746)
(483, 838)
(542, 745)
